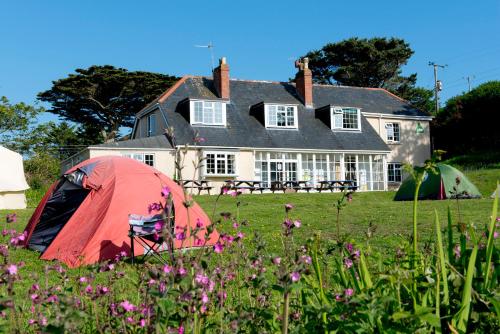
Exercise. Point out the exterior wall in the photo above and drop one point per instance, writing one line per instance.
(413, 147)
(142, 124)
(12, 200)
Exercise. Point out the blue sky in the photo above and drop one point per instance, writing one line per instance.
(43, 41)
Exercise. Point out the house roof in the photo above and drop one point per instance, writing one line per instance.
(244, 130)
(159, 142)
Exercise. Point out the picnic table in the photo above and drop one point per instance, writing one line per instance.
(196, 184)
(297, 185)
(337, 185)
(251, 185)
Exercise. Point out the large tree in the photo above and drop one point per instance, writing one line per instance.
(15, 119)
(469, 122)
(374, 62)
(104, 98)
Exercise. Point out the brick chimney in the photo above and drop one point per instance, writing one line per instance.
(221, 79)
(303, 82)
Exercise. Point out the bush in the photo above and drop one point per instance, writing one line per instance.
(41, 170)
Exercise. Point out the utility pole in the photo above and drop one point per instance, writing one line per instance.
(469, 81)
(437, 84)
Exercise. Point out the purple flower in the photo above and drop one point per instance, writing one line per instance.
(4, 251)
(127, 306)
(306, 259)
(297, 223)
(348, 262)
(287, 223)
(165, 191)
(142, 322)
(356, 254)
(199, 223)
(154, 207)
(88, 288)
(180, 236)
(201, 279)
(11, 218)
(457, 251)
(182, 271)
(158, 226)
(218, 248)
(198, 242)
(180, 330)
(204, 298)
(295, 276)
(12, 269)
(288, 207)
(348, 292)
(349, 247)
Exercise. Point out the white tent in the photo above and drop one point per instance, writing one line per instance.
(12, 180)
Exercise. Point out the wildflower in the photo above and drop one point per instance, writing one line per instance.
(180, 330)
(127, 306)
(83, 279)
(182, 271)
(12, 269)
(349, 247)
(495, 234)
(348, 292)
(235, 225)
(158, 226)
(35, 287)
(456, 251)
(52, 299)
(295, 276)
(165, 191)
(277, 260)
(224, 190)
(235, 193)
(201, 279)
(306, 259)
(130, 320)
(180, 236)
(142, 322)
(34, 297)
(198, 242)
(31, 321)
(43, 321)
(240, 235)
(218, 248)
(288, 207)
(348, 262)
(11, 218)
(89, 289)
(4, 251)
(287, 223)
(154, 207)
(227, 238)
(204, 298)
(199, 223)
(356, 254)
(226, 215)
(297, 223)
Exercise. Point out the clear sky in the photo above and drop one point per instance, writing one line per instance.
(43, 41)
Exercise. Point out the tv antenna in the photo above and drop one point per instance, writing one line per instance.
(210, 47)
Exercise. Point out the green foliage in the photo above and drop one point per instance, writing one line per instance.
(41, 169)
(469, 122)
(15, 119)
(104, 98)
(374, 62)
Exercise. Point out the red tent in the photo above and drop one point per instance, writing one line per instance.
(83, 217)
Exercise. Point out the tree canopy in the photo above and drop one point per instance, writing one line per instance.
(469, 122)
(104, 98)
(374, 62)
(15, 119)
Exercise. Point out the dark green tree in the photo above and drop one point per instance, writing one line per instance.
(103, 98)
(469, 122)
(374, 62)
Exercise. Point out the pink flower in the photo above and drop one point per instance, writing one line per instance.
(127, 306)
(240, 235)
(199, 223)
(180, 236)
(348, 292)
(204, 298)
(52, 299)
(235, 225)
(234, 193)
(158, 226)
(154, 207)
(130, 320)
(142, 322)
(11, 218)
(297, 223)
(180, 330)
(288, 207)
(457, 251)
(348, 262)
(165, 191)
(495, 234)
(227, 238)
(338, 297)
(349, 247)
(167, 269)
(198, 242)
(306, 259)
(182, 271)
(88, 288)
(12, 269)
(31, 321)
(34, 297)
(83, 279)
(295, 276)
(277, 260)
(218, 248)
(201, 279)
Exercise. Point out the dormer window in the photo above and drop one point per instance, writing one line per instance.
(346, 118)
(208, 113)
(281, 116)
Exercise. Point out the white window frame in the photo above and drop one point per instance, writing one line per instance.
(392, 139)
(141, 157)
(151, 130)
(226, 154)
(340, 110)
(206, 107)
(267, 115)
(393, 165)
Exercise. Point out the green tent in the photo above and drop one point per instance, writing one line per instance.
(439, 186)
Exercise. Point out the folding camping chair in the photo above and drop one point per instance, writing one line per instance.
(142, 230)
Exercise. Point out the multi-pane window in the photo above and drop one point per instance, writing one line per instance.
(151, 125)
(147, 158)
(346, 118)
(208, 113)
(281, 116)
(393, 132)
(219, 163)
(394, 172)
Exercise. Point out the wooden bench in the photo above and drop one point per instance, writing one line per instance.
(250, 185)
(337, 185)
(196, 184)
